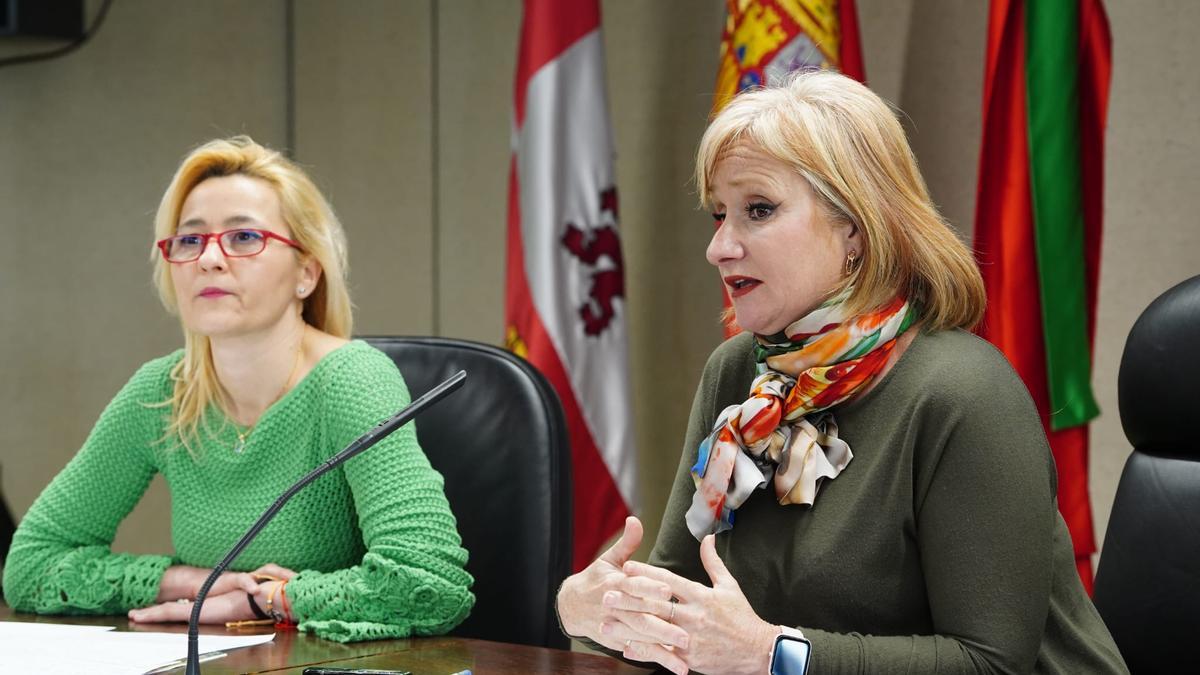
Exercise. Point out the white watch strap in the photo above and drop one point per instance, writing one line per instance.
(792, 632)
(788, 631)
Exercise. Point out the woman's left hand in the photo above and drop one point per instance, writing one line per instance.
(231, 606)
(725, 635)
(223, 607)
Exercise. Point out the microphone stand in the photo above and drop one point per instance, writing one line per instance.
(376, 434)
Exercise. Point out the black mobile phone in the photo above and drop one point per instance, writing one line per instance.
(324, 670)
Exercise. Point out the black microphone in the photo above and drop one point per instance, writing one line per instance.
(376, 434)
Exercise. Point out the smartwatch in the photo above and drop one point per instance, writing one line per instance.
(791, 653)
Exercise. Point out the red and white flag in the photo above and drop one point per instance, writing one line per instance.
(565, 296)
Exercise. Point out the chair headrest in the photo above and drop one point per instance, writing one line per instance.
(1158, 388)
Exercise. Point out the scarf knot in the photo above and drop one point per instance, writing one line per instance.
(784, 432)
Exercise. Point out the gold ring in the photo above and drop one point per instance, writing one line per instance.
(671, 617)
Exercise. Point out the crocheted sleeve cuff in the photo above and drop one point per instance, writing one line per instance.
(381, 599)
(142, 577)
(91, 580)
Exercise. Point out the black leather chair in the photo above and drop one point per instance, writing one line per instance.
(1148, 580)
(501, 443)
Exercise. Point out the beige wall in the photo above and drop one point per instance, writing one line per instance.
(401, 110)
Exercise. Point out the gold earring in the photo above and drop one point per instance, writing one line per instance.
(851, 261)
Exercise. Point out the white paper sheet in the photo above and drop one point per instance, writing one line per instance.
(68, 650)
(20, 629)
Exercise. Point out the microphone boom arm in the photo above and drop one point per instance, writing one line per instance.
(376, 434)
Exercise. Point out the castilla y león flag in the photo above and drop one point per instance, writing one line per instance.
(1038, 219)
(565, 296)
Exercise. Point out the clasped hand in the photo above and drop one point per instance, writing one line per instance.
(650, 614)
(226, 600)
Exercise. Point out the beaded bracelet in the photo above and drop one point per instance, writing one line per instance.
(281, 617)
(287, 608)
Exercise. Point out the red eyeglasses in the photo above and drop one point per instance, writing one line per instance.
(241, 243)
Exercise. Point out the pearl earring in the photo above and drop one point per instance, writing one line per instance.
(300, 291)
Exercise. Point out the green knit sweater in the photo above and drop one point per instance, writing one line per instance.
(939, 549)
(375, 539)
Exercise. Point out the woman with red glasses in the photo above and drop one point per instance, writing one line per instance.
(267, 386)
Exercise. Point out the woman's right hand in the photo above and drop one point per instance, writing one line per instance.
(581, 606)
(579, 598)
(184, 582)
(272, 572)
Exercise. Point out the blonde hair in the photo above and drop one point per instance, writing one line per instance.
(850, 148)
(312, 224)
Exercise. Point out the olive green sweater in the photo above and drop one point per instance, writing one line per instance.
(375, 539)
(939, 549)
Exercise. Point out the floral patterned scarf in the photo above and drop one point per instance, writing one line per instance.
(783, 432)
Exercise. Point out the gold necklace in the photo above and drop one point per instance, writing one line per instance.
(243, 435)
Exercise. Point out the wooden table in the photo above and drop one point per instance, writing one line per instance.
(291, 651)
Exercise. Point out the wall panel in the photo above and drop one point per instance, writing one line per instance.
(87, 144)
(363, 129)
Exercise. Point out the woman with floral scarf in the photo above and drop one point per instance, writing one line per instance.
(865, 486)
